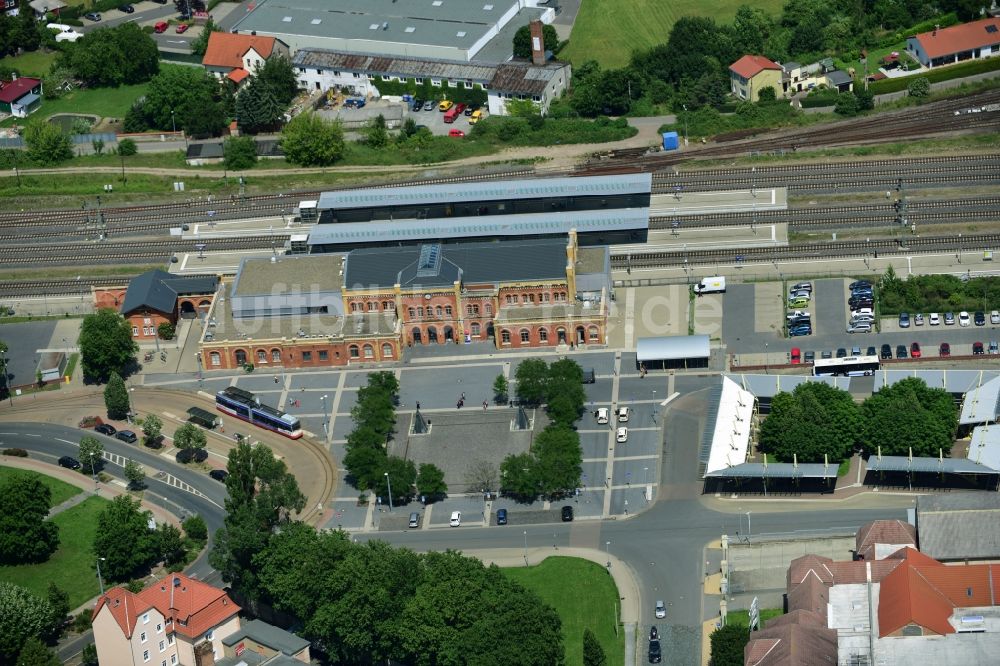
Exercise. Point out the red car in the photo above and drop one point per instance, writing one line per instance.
(181, 28)
(460, 108)
(915, 350)
(456, 132)
(945, 349)
(796, 356)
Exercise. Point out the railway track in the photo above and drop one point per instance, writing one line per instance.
(129, 252)
(839, 249)
(979, 209)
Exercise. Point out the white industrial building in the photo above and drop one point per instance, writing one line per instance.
(461, 30)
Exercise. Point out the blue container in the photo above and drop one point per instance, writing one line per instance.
(670, 141)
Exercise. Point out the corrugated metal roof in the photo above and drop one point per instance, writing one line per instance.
(383, 65)
(982, 403)
(984, 446)
(673, 347)
(778, 471)
(409, 195)
(935, 465)
(471, 263)
(414, 231)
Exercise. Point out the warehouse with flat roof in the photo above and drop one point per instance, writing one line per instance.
(449, 29)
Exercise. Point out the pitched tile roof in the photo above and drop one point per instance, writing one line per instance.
(958, 38)
(158, 290)
(193, 606)
(837, 573)
(792, 644)
(884, 532)
(11, 91)
(750, 65)
(227, 50)
(811, 596)
(237, 75)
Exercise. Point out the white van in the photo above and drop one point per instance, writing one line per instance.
(456, 518)
(64, 33)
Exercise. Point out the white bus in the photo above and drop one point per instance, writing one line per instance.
(851, 366)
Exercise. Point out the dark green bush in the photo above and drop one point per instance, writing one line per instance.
(17, 453)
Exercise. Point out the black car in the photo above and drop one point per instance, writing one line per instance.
(126, 436)
(900, 351)
(69, 463)
(860, 283)
(655, 653)
(857, 303)
(567, 514)
(794, 321)
(886, 352)
(810, 357)
(871, 352)
(841, 353)
(469, 110)
(127, 9)
(417, 105)
(502, 517)
(191, 455)
(979, 318)
(219, 474)
(106, 429)
(826, 354)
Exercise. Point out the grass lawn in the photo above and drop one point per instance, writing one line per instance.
(71, 567)
(32, 63)
(584, 595)
(609, 30)
(742, 618)
(61, 491)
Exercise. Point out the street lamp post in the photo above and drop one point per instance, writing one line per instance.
(765, 358)
(323, 400)
(389, 484)
(607, 553)
(684, 106)
(525, 547)
(753, 182)
(644, 470)
(100, 581)
(93, 470)
(748, 527)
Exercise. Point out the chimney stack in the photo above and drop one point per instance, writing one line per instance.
(537, 43)
(936, 26)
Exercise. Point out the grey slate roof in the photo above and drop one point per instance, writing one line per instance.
(470, 263)
(407, 195)
(158, 290)
(394, 65)
(838, 77)
(269, 635)
(959, 525)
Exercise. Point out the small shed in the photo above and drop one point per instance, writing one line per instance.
(677, 351)
(52, 365)
(670, 141)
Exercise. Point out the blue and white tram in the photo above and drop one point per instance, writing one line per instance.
(246, 406)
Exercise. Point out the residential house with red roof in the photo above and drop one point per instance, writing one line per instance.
(236, 57)
(751, 73)
(967, 41)
(21, 96)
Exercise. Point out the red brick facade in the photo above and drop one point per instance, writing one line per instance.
(299, 353)
(145, 321)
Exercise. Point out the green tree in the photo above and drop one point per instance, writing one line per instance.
(195, 528)
(25, 534)
(376, 133)
(127, 147)
(166, 331)
(847, 105)
(262, 495)
(559, 460)
(35, 653)
(813, 421)
(200, 44)
(866, 98)
(89, 655)
(919, 87)
(176, 96)
(25, 31)
(59, 602)
(258, 107)
(116, 397)
(152, 428)
(124, 539)
(408, 129)
(309, 140)
(277, 72)
(124, 54)
(106, 345)
(205, 117)
(241, 152)
(766, 95)
(727, 645)
(522, 40)
(134, 474)
(501, 389)
(47, 144)
(22, 616)
(168, 544)
(402, 475)
(430, 482)
(751, 28)
(91, 451)
(531, 375)
(593, 653)
(909, 416)
(519, 476)
(364, 465)
(189, 438)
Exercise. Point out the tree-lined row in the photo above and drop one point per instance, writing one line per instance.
(817, 419)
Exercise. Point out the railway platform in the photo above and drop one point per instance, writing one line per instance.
(680, 203)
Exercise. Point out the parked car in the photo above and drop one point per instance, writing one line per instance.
(456, 519)
(92, 16)
(915, 350)
(567, 514)
(417, 104)
(855, 351)
(918, 319)
(661, 610)
(860, 283)
(871, 351)
(126, 436)
(900, 351)
(219, 474)
(977, 349)
(826, 353)
(476, 116)
(69, 463)
(979, 318)
(429, 105)
(841, 352)
(799, 321)
(160, 27)
(456, 133)
(128, 9)
(603, 415)
(623, 414)
(886, 352)
(904, 320)
(995, 317)
(502, 517)
(655, 652)
(798, 303)
(621, 435)
(182, 28)
(460, 107)
(934, 319)
(801, 329)
(445, 105)
(810, 357)
(860, 327)
(472, 107)
(994, 347)
(964, 319)
(801, 293)
(796, 356)
(949, 318)
(803, 286)
(106, 429)
(856, 303)
(944, 349)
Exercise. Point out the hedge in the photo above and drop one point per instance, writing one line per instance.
(427, 91)
(826, 97)
(968, 68)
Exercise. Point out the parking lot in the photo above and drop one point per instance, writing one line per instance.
(395, 113)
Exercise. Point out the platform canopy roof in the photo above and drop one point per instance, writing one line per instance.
(672, 348)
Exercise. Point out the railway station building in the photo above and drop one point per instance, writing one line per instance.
(322, 310)
(603, 210)
(156, 297)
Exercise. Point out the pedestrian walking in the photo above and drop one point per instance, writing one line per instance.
(418, 405)
(276, 379)
(463, 397)
(485, 405)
